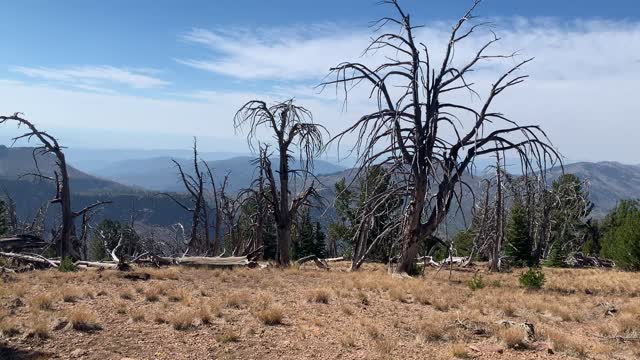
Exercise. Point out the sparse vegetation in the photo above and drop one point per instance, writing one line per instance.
(532, 279)
(82, 319)
(183, 319)
(248, 270)
(271, 316)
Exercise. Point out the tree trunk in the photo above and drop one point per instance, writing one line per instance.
(284, 223)
(360, 248)
(284, 241)
(413, 230)
(67, 244)
(497, 245)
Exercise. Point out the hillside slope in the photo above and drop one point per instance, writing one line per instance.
(160, 174)
(609, 182)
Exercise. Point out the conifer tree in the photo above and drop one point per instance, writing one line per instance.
(519, 243)
(4, 226)
(319, 239)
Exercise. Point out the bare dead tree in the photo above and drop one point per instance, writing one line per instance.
(427, 139)
(217, 201)
(255, 208)
(499, 219)
(294, 131)
(68, 243)
(194, 184)
(229, 208)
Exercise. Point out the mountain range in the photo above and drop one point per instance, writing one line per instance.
(133, 184)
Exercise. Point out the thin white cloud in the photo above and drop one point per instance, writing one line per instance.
(579, 49)
(582, 90)
(95, 77)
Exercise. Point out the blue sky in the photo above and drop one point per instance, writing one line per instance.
(161, 71)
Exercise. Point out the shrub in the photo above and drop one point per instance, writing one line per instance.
(227, 336)
(271, 316)
(320, 296)
(532, 279)
(43, 301)
(83, 320)
(67, 265)
(70, 295)
(513, 337)
(184, 320)
(476, 282)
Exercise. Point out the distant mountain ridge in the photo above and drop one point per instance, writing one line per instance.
(133, 184)
(161, 174)
(609, 182)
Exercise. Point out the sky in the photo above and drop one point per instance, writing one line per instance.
(151, 74)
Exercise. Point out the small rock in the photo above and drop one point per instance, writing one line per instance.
(78, 352)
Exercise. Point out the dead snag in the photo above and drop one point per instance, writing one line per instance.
(68, 244)
(424, 137)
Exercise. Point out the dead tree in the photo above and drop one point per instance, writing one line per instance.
(499, 219)
(194, 184)
(294, 131)
(68, 244)
(255, 208)
(426, 138)
(217, 201)
(229, 209)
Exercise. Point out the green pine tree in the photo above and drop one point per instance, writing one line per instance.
(4, 223)
(519, 243)
(305, 244)
(621, 239)
(320, 241)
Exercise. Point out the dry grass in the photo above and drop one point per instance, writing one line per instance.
(126, 294)
(563, 342)
(70, 294)
(227, 336)
(178, 295)
(39, 328)
(183, 320)
(272, 315)
(237, 300)
(82, 319)
(9, 328)
(319, 296)
(204, 314)
(152, 295)
(459, 351)
(43, 301)
(137, 315)
(513, 337)
(348, 340)
(398, 293)
(368, 314)
(433, 328)
(628, 323)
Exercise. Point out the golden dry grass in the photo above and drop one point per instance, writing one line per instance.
(334, 314)
(272, 315)
(82, 319)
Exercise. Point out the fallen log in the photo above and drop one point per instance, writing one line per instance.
(230, 261)
(22, 241)
(39, 261)
(319, 262)
(579, 260)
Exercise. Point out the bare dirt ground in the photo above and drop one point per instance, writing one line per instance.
(310, 313)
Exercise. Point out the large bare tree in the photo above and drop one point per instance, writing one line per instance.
(420, 132)
(199, 239)
(67, 242)
(294, 131)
